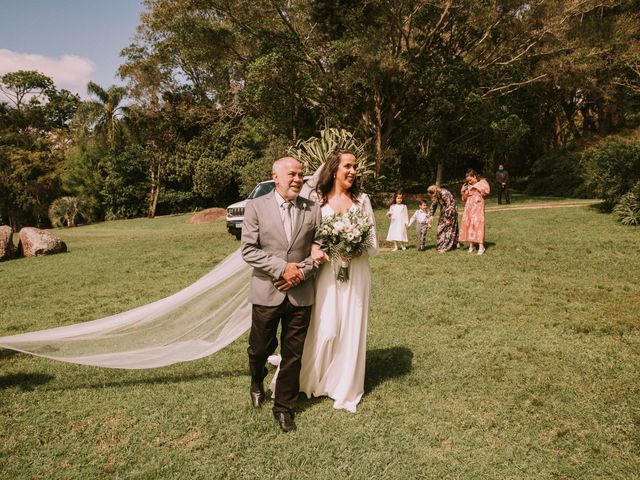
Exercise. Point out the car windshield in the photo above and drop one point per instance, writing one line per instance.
(262, 189)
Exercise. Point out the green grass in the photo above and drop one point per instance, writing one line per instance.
(522, 363)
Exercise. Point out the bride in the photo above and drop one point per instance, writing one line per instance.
(212, 312)
(333, 358)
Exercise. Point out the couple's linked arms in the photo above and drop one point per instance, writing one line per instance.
(284, 283)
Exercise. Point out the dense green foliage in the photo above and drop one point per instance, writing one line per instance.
(218, 89)
(628, 207)
(558, 173)
(33, 139)
(65, 211)
(520, 364)
(612, 169)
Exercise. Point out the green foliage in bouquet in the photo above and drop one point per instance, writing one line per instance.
(347, 235)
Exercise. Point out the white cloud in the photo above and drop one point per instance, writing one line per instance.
(68, 71)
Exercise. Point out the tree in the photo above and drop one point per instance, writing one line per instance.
(104, 114)
(64, 210)
(17, 86)
(29, 181)
(423, 84)
(61, 107)
(34, 138)
(154, 130)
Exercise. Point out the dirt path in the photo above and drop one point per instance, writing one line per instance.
(581, 203)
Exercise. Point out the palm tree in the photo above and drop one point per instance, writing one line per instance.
(104, 114)
(313, 152)
(64, 210)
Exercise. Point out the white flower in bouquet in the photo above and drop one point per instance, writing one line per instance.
(347, 235)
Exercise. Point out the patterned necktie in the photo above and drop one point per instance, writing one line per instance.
(288, 222)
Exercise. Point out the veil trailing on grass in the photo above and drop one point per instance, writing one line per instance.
(193, 323)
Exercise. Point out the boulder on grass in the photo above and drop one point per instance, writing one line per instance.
(208, 215)
(6, 243)
(36, 242)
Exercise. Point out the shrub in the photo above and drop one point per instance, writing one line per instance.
(125, 189)
(628, 208)
(63, 211)
(314, 151)
(612, 169)
(557, 174)
(177, 201)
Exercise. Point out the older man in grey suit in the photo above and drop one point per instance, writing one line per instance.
(277, 234)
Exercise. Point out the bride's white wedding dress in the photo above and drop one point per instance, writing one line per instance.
(333, 359)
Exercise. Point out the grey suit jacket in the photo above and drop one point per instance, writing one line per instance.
(264, 246)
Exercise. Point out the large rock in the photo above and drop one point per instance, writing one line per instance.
(6, 243)
(208, 215)
(35, 242)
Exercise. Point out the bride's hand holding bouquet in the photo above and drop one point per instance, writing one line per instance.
(346, 235)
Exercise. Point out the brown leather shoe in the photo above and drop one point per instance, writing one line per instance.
(285, 419)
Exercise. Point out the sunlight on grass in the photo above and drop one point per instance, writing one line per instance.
(522, 363)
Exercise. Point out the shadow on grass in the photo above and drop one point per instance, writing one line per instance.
(158, 379)
(601, 207)
(464, 246)
(382, 364)
(303, 402)
(386, 363)
(4, 354)
(25, 381)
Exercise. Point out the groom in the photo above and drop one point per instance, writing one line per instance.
(277, 234)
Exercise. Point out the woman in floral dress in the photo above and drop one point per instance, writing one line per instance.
(448, 223)
(473, 192)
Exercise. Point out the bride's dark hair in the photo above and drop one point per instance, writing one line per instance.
(328, 177)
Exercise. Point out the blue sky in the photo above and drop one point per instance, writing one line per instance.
(72, 41)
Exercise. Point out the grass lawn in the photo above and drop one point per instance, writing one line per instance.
(522, 363)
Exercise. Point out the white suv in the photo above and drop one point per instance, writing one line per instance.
(235, 211)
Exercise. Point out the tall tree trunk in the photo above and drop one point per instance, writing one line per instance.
(604, 119)
(378, 133)
(439, 172)
(155, 190)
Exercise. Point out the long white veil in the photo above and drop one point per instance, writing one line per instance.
(193, 323)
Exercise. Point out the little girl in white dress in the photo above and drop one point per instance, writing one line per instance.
(399, 216)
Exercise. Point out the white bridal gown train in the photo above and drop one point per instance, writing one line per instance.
(334, 355)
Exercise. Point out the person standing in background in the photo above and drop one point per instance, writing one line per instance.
(447, 232)
(473, 192)
(502, 179)
(422, 219)
(399, 216)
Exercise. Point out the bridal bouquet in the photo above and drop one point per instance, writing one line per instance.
(347, 235)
